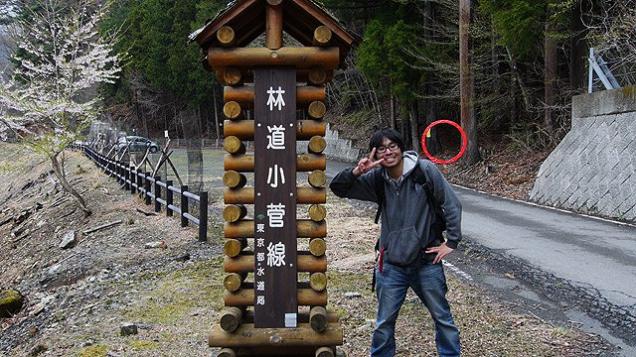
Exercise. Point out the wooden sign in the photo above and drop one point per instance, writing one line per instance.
(275, 228)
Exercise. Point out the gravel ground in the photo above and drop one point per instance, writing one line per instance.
(78, 298)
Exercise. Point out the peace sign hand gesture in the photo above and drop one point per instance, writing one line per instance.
(366, 163)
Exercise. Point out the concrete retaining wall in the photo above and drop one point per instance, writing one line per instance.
(340, 149)
(593, 170)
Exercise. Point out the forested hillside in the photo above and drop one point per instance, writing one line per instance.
(528, 59)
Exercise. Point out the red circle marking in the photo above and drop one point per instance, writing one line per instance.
(436, 160)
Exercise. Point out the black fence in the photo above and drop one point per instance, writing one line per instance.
(154, 191)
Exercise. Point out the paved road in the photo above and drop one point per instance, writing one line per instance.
(585, 251)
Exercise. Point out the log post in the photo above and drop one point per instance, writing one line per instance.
(234, 213)
(233, 247)
(317, 247)
(317, 76)
(317, 212)
(233, 179)
(273, 24)
(232, 76)
(325, 352)
(317, 110)
(232, 282)
(318, 319)
(226, 352)
(322, 36)
(226, 36)
(317, 179)
(318, 281)
(317, 144)
(232, 110)
(231, 318)
(233, 145)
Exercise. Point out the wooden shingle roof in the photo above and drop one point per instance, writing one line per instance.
(300, 18)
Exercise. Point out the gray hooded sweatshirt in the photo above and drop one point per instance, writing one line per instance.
(406, 213)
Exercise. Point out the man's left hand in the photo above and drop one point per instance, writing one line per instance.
(441, 250)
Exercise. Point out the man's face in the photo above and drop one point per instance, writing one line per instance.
(390, 152)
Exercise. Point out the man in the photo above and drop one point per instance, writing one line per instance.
(412, 194)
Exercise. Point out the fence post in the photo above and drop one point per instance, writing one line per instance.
(147, 188)
(169, 198)
(120, 172)
(203, 216)
(125, 176)
(133, 180)
(157, 191)
(184, 206)
(140, 183)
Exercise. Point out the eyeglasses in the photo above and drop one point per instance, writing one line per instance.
(382, 149)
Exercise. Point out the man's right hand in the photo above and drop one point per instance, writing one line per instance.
(366, 163)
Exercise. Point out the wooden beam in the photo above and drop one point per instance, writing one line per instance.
(306, 228)
(244, 129)
(304, 195)
(249, 336)
(316, 76)
(244, 95)
(244, 263)
(245, 297)
(245, 163)
(299, 57)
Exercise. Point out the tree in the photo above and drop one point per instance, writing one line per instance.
(52, 96)
(467, 83)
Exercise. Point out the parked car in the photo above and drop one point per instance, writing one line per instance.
(137, 143)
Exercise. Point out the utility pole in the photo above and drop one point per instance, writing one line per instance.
(467, 83)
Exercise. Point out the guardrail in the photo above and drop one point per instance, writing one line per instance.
(150, 190)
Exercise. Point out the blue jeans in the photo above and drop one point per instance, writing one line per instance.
(429, 283)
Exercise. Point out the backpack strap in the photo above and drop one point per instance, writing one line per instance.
(420, 178)
(378, 181)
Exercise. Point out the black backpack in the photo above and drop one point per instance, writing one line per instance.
(439, 223)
